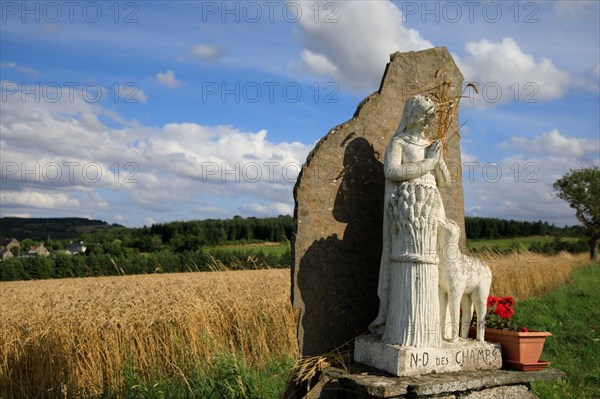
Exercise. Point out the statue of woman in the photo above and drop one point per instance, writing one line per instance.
(408, 276)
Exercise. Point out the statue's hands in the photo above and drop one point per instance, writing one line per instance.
(434, 151)
(433, 155)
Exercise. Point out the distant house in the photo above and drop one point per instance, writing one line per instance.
(11, 243)
(7, 245)
(37, 250)
(75, 248)
(5, 254)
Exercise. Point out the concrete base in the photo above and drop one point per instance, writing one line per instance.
(464, 355)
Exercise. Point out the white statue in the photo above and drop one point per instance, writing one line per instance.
(408, 277)
(463, 281)
(422, 268)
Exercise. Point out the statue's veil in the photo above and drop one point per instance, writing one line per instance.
(415, 109)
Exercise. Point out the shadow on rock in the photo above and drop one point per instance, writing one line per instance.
(338, 276)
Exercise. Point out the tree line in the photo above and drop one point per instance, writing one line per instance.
(488, 228)
(178, 246)
(182, 246)
(55, 228)
(179, 236)
(128, 263)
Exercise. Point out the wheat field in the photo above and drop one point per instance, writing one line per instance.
(527, 274)
(75, 337)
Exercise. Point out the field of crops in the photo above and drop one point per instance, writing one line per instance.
(78, 337)
(74, 338)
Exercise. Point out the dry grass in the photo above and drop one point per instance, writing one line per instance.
(527, 274)
(67, 338)
(446, 106)
(79, 335)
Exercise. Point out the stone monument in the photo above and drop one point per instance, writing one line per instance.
(377, 250)
(408, 335)
(409, 313)
(339, 198)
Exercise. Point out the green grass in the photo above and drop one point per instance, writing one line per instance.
(572, 315)
(266, 248)
(226, 378)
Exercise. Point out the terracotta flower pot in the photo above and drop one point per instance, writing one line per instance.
(520, 350)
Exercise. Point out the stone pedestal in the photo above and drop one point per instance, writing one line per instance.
(464, 355)
(361, 382)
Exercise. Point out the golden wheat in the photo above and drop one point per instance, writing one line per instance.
(75, 337)
(527, 274)
(446, 107)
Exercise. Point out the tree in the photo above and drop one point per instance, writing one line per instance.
(581, 189)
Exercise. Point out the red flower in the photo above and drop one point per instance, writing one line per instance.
(508, 301)
(524, 329)
(499, 313)
(504, 311)
(492, 301)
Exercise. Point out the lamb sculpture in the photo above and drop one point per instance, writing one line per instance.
(463, 281)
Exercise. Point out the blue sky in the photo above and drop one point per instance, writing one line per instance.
(151, 111)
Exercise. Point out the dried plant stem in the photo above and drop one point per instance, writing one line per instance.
(446, 108)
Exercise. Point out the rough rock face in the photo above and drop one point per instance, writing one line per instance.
(339, 205)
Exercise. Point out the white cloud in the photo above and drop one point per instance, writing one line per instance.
(277, 208)
(131, 93)
(149, 221)
(225, 162)
(167, 79)
(505, 73)
(318, 63)
(207, 52)
(59, 158)
(520, 186)
(214, 212)
(91, 121)
(553, 142)
(33, 199)
(13, 65)
(16, 215)
(467, 157)
(355, 49)
(576, 9)
(589, 80)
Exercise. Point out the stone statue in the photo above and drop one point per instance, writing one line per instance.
(408, 277)
(463, 280)
(418, 267)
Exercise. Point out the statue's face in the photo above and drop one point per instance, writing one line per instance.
(424, 121)
(420, 113)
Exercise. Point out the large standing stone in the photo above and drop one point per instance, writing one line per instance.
(339, 205)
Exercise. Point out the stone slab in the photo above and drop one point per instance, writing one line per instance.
(369, 382)
(336, 248)
(464, 355)
(505, 392)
